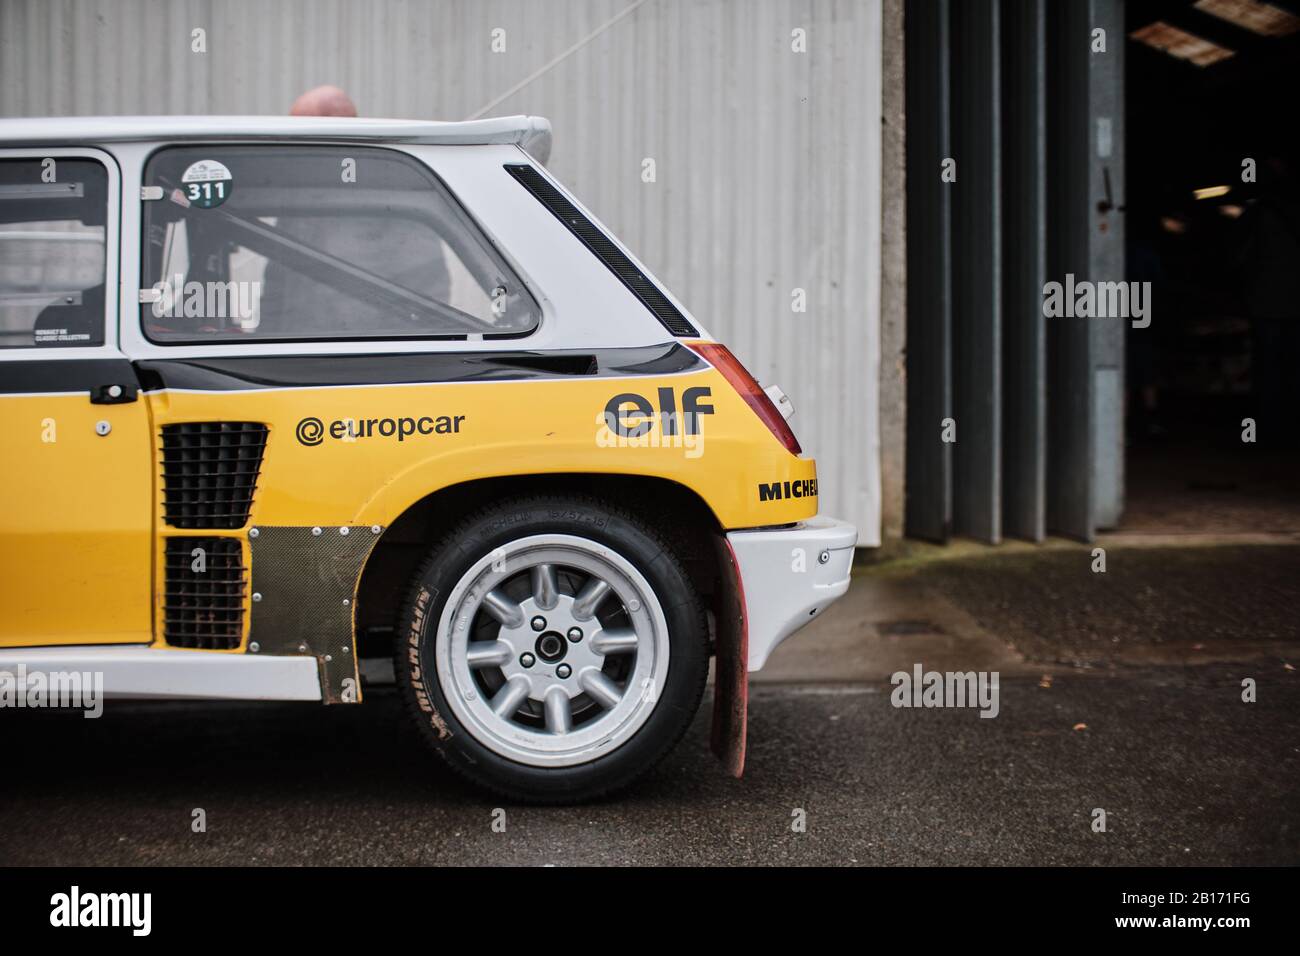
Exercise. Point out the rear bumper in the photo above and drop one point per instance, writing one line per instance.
(789, 576)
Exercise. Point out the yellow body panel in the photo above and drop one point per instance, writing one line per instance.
(541, 426)
(83, 520)
(76, 523)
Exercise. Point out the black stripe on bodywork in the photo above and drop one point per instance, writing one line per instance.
(31, 376)
(239, 372)
(604, 249)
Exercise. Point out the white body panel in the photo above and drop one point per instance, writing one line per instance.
(583, 304)
(140, 671)
(533, 133)
(785, 580)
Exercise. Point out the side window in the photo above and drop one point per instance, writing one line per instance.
(293, 243)
(52, 262)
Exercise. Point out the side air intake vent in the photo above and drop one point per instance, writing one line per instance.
(210, 472)
(604, 249)
(204, 600)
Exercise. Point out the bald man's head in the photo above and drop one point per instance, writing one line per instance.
(323, 101)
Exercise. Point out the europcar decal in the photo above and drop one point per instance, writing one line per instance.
(311, 431)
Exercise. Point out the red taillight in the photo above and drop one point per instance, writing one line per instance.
(721, 358)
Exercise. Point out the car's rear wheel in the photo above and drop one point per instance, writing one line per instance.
(553, 648)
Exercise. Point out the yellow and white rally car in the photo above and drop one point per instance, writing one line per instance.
(278, 395)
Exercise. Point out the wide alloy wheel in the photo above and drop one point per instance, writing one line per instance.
(553, 648)
(550, 650)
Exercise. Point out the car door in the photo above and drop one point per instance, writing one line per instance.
(76, 491)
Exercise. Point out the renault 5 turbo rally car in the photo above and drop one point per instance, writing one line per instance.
(283, 396)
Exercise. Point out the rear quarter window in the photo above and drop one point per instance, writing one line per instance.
(296, 243)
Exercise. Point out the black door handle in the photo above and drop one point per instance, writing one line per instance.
(113, 394)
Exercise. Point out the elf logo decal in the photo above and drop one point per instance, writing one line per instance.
(311, 431)
(627, 406)
(776, 490)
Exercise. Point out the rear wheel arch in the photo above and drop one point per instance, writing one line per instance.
(569, 668)
(678, 511)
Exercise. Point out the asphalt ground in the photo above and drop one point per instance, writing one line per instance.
(1119, 692)
(1186, 772)
(1151, 605)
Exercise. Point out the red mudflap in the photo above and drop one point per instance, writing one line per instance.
(731, 667)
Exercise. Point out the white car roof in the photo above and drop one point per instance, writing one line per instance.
(532, 133)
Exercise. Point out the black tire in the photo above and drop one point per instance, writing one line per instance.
(495, 527)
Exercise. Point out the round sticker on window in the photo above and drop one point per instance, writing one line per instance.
(206, 184)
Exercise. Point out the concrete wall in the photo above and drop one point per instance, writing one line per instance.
(893, 274)
(767, 160)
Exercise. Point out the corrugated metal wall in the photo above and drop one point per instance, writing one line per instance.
(767, 160)
(1036, 403)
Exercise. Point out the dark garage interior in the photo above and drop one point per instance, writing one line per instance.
(1111, 142)
(1223, 255)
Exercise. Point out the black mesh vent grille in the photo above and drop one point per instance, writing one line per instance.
(210, 472)
(204, 601)
(611, 255)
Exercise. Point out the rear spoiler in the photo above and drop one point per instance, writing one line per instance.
(536, 139)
